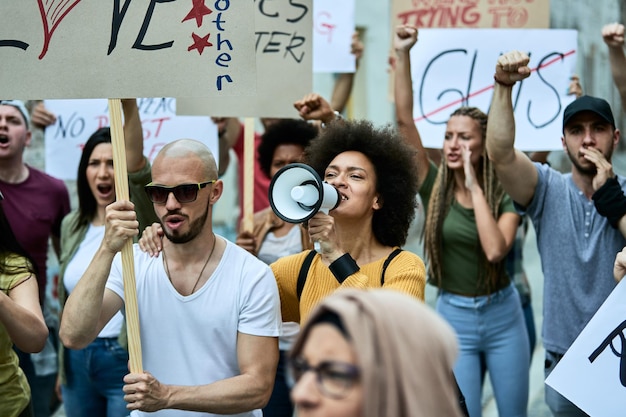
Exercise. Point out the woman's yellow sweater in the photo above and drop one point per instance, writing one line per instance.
(405, 273)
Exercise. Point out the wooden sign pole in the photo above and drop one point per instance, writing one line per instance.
(128, 264)
(248, 175)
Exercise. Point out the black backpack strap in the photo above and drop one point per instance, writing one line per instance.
(387, 262)
(304, 271)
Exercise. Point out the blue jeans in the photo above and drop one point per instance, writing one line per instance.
(95, 379)
(493, 327)
(558, 404)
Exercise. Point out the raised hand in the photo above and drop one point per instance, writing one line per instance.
(512, 67)
(613, 35)
(405, 38)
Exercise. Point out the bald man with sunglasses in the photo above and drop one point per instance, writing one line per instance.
(209, 311)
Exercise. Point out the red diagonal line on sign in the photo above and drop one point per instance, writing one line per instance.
(484, 89)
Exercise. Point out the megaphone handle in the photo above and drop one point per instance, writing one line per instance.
(316, 244)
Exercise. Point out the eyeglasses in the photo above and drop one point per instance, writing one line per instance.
(184, 193)
(1, 196)
(334, 379)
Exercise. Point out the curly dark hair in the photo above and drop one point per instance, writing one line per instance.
(87, 205)
(284, 131)
(393, 162)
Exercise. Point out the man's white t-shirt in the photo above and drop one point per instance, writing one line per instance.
(192, 340)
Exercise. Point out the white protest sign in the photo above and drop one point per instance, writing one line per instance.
(592, 374)
(333, 26)
(78, 119)
(454, 67)
(283, 32)
(117, 49)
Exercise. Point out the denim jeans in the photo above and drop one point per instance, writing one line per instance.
(558, 404)
(95, 379)
(492, 327)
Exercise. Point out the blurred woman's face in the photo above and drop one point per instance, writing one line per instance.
(284, 154)
(462, 131)
(327, 376)
(354, 176)
(100, 174)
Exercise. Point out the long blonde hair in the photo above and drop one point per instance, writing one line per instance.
(441, 200)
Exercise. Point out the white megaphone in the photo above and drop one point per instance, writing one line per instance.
(297, 193)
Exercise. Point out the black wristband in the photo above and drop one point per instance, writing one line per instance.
(610, 201)
(343, 267)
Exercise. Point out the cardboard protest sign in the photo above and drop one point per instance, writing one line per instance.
(451, 68)
(284, 62)
(592, 374)
(90, 49)
(513, 14)
(78, 119)
(333, 26)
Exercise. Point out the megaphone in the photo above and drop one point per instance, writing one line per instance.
(297, 193)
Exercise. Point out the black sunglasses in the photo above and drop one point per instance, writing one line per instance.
(184, 193)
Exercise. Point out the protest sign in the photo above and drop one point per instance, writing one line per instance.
(78, 119)
(513, 14)
(284, 64)
(90, 49)
(454, 67)
(592, 374)
(333, 26)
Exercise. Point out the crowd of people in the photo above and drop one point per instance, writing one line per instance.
(324, 317)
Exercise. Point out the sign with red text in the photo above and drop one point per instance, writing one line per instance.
(123, 48)
(333, 26)
(592, 374)
(78, 119)
(284, 63)
(513, 14)
(451, 68)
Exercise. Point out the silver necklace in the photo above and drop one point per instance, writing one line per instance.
(167, 269)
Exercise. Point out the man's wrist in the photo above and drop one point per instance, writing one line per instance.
(502, 83)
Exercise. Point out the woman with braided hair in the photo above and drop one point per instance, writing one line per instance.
(469, 230)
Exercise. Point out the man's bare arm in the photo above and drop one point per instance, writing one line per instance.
(258, 358)
(515, 170)
(89, 306)
(613, 35)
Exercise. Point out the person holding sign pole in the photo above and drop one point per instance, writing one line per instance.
(470, 228)
(92, 378)
(21, 320)
(209, 312)
(581, 213)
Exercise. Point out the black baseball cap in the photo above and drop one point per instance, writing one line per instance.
(587, 103)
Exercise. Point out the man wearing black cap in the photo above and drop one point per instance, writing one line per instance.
(578, 217)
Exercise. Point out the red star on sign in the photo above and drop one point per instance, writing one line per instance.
(198, 11)
(200, 43)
